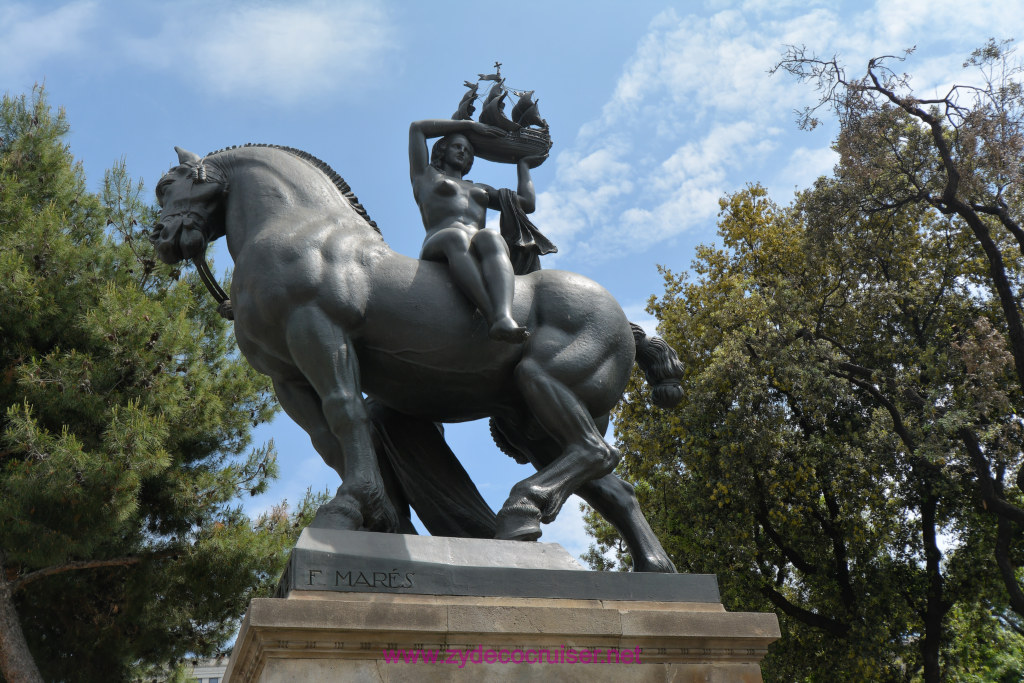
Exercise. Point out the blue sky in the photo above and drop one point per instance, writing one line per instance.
(657, 110)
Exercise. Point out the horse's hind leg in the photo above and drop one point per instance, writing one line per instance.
(584, 454)
(615, 500)
(324, 356)
(612, 497)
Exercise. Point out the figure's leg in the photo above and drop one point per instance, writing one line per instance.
(452, 245)
(492, 252)
(322, 352)
(612, 497)
(584, 453)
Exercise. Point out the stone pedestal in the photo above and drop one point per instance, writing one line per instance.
(350, 611)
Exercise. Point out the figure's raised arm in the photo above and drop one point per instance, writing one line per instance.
(420, 131)
(527, 195)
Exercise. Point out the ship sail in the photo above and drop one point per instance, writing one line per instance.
(466, 108)
(526, 133)
(526, 113)
(493, 112)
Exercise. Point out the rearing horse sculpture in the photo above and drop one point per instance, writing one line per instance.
(325, 308)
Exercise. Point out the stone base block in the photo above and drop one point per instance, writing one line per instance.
(335, 636)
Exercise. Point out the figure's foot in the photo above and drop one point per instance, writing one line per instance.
(358, 508)
(507, 330)
(379, 514)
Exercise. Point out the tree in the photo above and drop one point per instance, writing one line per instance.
(960, 155)
(784, 472)
(124, 431)
(848, 451)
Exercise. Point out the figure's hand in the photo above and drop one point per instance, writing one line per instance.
(483, 130)
(534, 160)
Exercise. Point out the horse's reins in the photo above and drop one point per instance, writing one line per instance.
(223, 302)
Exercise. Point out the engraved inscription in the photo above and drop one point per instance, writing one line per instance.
(352, 578)
(392, 579)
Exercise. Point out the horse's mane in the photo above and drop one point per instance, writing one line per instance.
(339, 182)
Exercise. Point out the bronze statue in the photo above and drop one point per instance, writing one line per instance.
(325, 308)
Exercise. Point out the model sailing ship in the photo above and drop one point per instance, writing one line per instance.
(526, 133)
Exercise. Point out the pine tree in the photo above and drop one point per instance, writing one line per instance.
(125, 420)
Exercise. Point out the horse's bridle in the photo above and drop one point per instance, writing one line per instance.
(199, 175)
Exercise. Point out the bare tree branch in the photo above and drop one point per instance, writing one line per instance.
(992, 501)
(1004, 535)
(128, 561)
(834, 626)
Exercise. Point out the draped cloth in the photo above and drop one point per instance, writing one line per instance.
(419, 470)
(526, 244)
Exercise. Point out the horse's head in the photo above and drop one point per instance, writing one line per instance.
(193, 210)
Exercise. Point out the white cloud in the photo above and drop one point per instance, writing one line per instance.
(593, 168)
(591, 185)
(689, 68)
(706, 161)
(568, 529)
(804, 166)
(637, 314)
(695, 115)
(261, 51)
(682, 191)
(29, 38)
(281, 52)
(693, 111)
(919, 21)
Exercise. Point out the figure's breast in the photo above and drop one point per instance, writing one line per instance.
(450, 187)
(448, 200)
(479, 195)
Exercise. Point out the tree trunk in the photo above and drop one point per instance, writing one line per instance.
(936, 606)
(16, 662)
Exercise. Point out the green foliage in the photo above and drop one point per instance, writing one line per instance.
(831, 361)
(848, 448)
(983, 648)
(124, 426)
(180, 675)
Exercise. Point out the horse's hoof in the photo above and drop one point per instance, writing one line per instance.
(517, 526)
(506, 330)
(337, 515)
(655, 564)
(366, 501)
(382, 518)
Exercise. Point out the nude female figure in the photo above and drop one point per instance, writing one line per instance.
(454, 211)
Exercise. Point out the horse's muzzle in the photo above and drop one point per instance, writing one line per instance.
(178, 241)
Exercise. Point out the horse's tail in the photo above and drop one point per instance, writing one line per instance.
(661, 366)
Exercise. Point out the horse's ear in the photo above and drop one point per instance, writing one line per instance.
(185, 156)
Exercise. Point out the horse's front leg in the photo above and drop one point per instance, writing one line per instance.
(323, 354)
